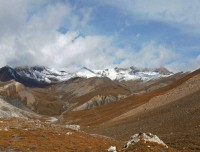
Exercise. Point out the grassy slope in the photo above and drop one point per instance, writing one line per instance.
(107, 112)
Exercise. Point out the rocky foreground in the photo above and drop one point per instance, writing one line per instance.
(22, 135)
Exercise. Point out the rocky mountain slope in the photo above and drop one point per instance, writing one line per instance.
(167, 106)
(171, 112)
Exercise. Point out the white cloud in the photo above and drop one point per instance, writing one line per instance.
(195, 62)
(12, 16)
(150, 55)
(192, 64)
(182, 14)
(73, 49)
(29, 36)
(29, 33)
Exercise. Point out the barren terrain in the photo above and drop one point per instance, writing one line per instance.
(108, 113)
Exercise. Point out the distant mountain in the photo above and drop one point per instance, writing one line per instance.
(40, 76)
(125, 74)
(36, 76)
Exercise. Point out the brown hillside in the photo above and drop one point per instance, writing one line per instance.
(104, 113)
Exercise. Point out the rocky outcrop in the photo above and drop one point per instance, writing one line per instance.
(112, 149)
(144, 137)
(145, 142)
(9, 111)
(73, 127)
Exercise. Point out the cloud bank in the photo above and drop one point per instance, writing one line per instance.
(30, 35)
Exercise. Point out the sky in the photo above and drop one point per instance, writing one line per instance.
(100, 33)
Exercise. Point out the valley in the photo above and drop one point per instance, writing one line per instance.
(108, 107)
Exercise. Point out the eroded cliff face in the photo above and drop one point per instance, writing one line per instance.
(18, 95)
(99, 100)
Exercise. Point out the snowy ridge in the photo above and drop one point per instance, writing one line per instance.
(125, 74)
(86, 73)
(45, 75)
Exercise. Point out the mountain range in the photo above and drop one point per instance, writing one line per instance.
(109, 106)
(40, 76)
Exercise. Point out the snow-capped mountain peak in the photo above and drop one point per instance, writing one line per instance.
(42, 76)
(86, 73)
(131, 73)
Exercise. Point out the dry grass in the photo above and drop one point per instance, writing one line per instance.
(25, 136)
(162, 121)
(107, 112)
